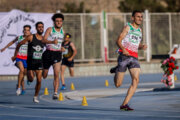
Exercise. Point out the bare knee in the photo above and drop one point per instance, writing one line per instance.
(72, 74)
(117, 84)
(21, 71)
(45, 74)
(118, 78)
(39, 81)
(135, 81)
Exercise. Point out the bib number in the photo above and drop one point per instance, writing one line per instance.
(134, 39)
(37, 55)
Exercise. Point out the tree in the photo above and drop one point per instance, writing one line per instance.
(72, 8)
(151, 5)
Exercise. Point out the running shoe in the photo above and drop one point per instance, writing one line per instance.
(126, 108)
(55, 96)
(18, 91)
(63, 87)
(35, 99)
(113, 69)
(23, 92)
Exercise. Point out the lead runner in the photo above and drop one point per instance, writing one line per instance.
(129, 42)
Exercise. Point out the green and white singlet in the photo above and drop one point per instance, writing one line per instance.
(55, 35)
(22, 53)
(132, 40)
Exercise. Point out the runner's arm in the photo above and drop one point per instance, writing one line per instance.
(121, 37)
(9, 44)
(74, 51)
(142, 46)
(45, 40)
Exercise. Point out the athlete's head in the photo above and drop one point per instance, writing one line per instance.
(58, 19)
(40, 27)
(67, 37)
(26, 30)
(137, 17)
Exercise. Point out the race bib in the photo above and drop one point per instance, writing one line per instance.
(23, 49)
(37, 55)
(134, 39)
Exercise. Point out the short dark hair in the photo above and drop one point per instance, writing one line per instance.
(135, 11)
(67, 34)
(26, 26)
(39, 23)
(57, 15)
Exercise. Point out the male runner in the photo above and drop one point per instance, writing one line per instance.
(34, 58)
(52, 56)
(129, 43)
(68, 58)
(21, 59)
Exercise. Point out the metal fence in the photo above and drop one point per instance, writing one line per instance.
(164, 32)
(94, 33)
(87, 32)
(86, 35)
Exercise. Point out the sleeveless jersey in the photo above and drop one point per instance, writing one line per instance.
(68, 50)
(35, 49)
(22, 53)
(132, 40)
(55, 35)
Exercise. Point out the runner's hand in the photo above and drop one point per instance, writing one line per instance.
(63, 49)
(125, 52)
(144, 47)
(13, 58)
(55, 41)
(2, 50)
(70, 59)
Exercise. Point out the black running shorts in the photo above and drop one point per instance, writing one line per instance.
(34, 64)
(50, 58)
(67, 63)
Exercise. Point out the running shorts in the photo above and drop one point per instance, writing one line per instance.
(50, 58)
(67, 63)
(125, 62)
(23, 61)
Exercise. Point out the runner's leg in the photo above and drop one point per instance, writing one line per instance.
(22, 82)
(71, 71)
(21, 73)
(56, 68)
(118, 78)
(30, 75)
(45, 73)
(134, 72)
(63, 67)
(38, 83)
